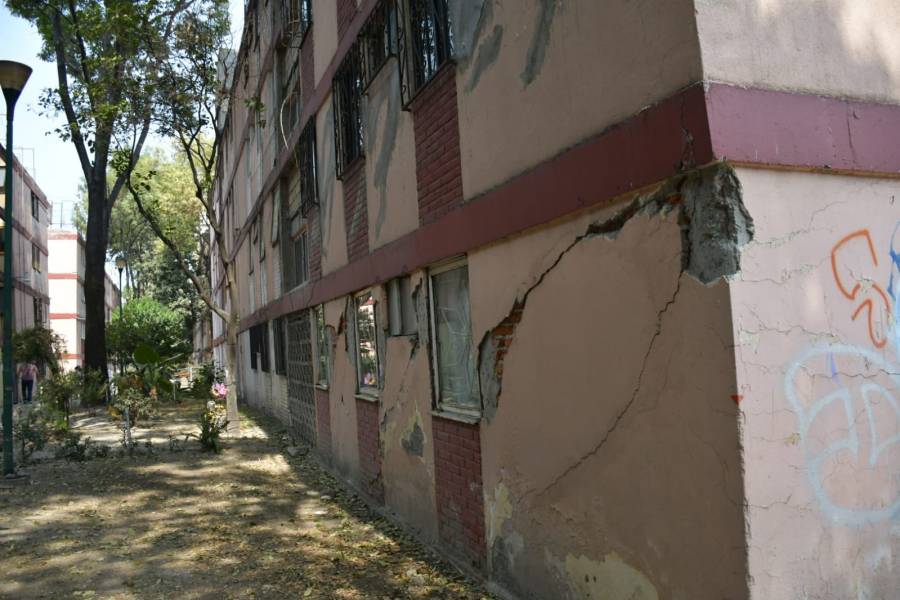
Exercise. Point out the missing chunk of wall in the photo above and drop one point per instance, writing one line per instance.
(414, 442)
(714, 226)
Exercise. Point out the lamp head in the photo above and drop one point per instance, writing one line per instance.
(120, 263)
(13, 76)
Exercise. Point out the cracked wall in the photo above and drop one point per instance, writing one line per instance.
(408, 460)
(536, 48)
(622, 364)
(818, 368)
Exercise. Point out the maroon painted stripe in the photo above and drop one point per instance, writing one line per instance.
(766, 127)
(644, 149)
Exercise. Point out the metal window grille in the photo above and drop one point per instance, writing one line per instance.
(424, 43)
(347, 93)
(254, 347)
(379, 38)
(297, 19)
(301, 393)
(278, 339)
(306, 159)
(263, 335)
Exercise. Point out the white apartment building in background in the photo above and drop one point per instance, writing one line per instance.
(66, 283)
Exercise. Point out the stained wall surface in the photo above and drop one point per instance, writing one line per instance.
(829, 47)
(538, 76)
(818, 356)
(621, 365)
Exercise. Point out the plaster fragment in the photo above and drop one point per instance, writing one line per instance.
(414, 442)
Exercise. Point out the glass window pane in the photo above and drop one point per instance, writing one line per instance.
(367, 367)
(455, 353)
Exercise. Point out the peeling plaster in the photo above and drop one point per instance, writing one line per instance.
(414, 442)
(487, 55)
(537, 50)
(714, 224)
(609, 579)
(467, 20)
(387, 98)
(327, 165)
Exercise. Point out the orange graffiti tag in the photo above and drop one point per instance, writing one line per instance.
(852, 293)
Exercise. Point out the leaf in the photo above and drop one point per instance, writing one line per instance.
(145, 355)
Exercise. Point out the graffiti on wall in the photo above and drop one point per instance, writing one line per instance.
(845, 396)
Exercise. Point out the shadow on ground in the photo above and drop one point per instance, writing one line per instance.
(250, 522)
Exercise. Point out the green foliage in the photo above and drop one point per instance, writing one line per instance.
(131, 394)
(74, 448)
(212, 423)
(36, 427)
(207, 374)
(58, 391)
(147, 322)
(38, 345)
(91, 387)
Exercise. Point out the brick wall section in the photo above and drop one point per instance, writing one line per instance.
(356, 218)
(503, 336)
(369, 448)
(323, 423)
(346, 10)
(438, 165)
(315, 244)
(307, 67)
(458, 488)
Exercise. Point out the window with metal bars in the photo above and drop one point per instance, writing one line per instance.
(297, 19)
(379, 38)
(254, 346)
(347, 88)
(424, 41)
(279, 341)
(306, 160)
(288, 67)
(263, 347)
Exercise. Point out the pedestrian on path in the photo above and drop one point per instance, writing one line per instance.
(27, 372)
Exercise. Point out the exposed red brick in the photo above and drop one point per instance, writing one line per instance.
(369, 443)
(458, 488)
(438, 161)
(323, 423)
(356, 217)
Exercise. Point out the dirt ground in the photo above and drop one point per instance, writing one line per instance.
(250, 522)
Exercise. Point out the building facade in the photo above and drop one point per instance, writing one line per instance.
(30, 219)
(67, 308)
(600, 297)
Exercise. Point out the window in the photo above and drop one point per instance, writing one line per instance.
(276, 215)
(35, 207)
(260, 236)
(427, 41)
(279, 340)
(38, 308)
(347, 92)
(306, 159)
(259, 347)
(35, 258)
(298, 17)
(379, 38)
(456, 378)
(401, 312)
(322, 348)
(367, 367)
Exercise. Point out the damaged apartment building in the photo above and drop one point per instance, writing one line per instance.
(602, 299)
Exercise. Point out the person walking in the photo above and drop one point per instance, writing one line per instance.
(27, 371)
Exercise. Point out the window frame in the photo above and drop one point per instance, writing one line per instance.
(472, 411)
(364, 390)
(346, 100)
(36, 258)
(279, 342)
(379, 39)
(323, 353)
(35, 207)
(414, 79)
(308, 168)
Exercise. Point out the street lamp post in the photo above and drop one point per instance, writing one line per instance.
(13, 76)
(120, 265)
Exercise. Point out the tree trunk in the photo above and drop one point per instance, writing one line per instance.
(232, 378)
(96, 239)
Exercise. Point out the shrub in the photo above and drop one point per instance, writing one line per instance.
(38, 345)
(212, 423)
(145, 321)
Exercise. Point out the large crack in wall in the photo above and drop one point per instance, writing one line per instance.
(714, 226)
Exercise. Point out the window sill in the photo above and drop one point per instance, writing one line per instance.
(368, 397)
(469, 419)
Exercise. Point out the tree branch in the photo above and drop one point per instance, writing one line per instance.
(66, 97)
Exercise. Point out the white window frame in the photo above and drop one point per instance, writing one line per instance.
(366, 391)
(439, 403)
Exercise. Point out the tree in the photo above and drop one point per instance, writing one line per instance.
(147, 322)
(190, 91)
(106, 56)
